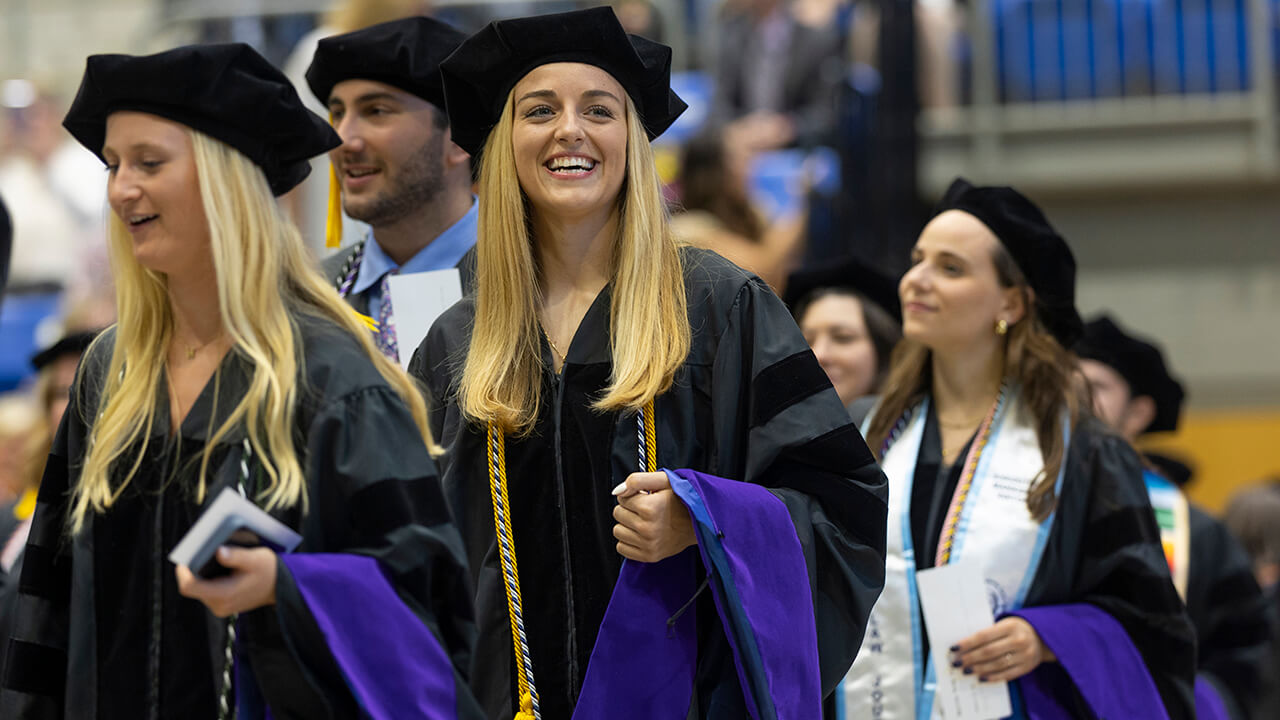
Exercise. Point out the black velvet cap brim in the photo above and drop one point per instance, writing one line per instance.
(1140, 363)
(1173, 469)
(479, 76)
(404, 53)
(72, 344)
(851, 273)
(1039, 251)
(226, 91)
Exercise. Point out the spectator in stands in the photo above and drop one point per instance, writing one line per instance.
(18, 420)
(850, 315)
(718, 214)
(776, 77)
(54, 190)
(639, 17)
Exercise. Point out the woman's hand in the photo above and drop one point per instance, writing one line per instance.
(251, 584)
(652, 522)
(1003, 652)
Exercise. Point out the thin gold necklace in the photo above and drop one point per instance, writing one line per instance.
(552, 343)
(192, 350)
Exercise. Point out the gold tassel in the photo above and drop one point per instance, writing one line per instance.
(333, 222)
(526, 707)
(366, 320)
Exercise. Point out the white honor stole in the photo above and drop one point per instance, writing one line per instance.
(890, 679)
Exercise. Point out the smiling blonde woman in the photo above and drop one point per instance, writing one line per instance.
(597, 351)
(234, 368)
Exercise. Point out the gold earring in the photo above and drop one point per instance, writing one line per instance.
(1002, 327)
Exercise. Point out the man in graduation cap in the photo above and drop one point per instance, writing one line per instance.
(1134, 393)
(398, 168)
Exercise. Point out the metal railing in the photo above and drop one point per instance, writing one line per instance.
(1068, 93)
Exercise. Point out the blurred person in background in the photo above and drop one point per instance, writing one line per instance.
(235, 370)
(939, 27)
(56, 368)
(994, 459)
(308, 203)
(1134, 393)
(18, 421)
(1253, 517)
(716, 211)
(54, 192)
(398, 168)
(639, 17)
(776, 76)
(850, 316)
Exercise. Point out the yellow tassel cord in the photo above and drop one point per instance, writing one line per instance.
(367, 321)
(648, 447)
(333, 222)
(511, 574)
(26, 506)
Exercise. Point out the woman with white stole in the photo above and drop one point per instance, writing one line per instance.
(595, 351)
(994, 462)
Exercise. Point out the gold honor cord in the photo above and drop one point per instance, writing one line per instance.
(646, 436)
(333, 219)
(970, 468)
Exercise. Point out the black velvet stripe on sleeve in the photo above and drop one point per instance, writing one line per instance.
(785, 383)
(1120, 527)
(849, 504)
(35, 669)
(842, 447)
(45, 574)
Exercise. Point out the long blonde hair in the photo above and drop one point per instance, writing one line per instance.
(264, 276)
(1038, 363)
(650, 336)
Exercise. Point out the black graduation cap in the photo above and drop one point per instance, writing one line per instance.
(1174, 470)
(1140, 363)
(402, 53)
(1040, 252)
(480, 74)
(851, 273)
(227, 91)
(71, 344)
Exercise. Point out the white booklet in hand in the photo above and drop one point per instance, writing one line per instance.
(230, 513)
(954, 601)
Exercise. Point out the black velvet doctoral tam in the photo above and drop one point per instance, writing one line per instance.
(1039, 251)
(226, 91)
(1140, 363)
(480, 74)
(402, 53)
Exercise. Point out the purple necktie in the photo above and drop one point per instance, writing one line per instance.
(386, 325)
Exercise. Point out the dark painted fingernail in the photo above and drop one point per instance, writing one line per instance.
(968, 671)
(957, 663)
(982, 679)
(955, 648)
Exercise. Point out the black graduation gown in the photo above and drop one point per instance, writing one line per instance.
(1229, 612)
(1104, 549)
(102, 630)
(750, 403)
